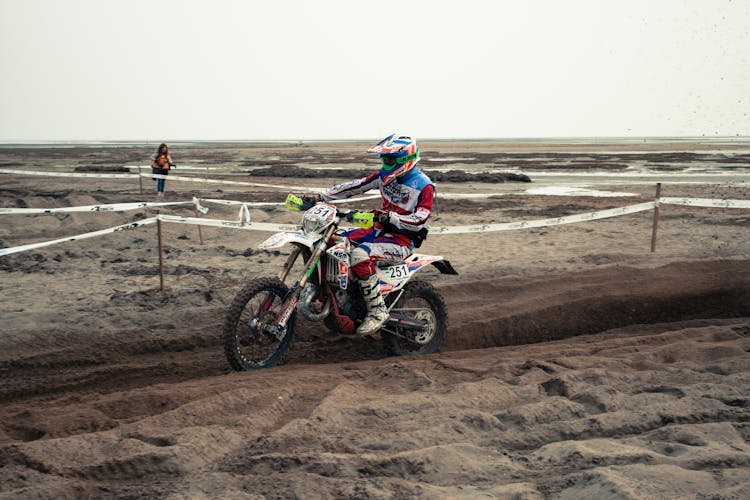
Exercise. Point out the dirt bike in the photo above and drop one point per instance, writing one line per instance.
(260, 323)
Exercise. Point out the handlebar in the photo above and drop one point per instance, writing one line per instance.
(359, 219)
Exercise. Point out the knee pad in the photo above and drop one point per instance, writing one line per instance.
(361, 264)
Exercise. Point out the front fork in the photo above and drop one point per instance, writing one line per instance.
(292, 298)
(290, 262)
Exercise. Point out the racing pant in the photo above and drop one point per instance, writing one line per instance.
(371, 250)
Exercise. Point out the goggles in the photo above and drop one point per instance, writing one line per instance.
(390, 162)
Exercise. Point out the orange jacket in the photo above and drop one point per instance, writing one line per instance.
(162, 161)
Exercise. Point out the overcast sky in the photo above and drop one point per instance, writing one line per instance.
(189, 70)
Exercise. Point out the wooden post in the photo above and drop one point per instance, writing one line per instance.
(161, 256)
(656, 217)
(140, 179)
(200, 233)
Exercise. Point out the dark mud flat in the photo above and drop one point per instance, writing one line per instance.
(567, 155)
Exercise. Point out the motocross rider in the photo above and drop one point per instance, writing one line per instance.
(407, 195)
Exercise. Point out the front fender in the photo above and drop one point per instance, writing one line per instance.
(278, 240)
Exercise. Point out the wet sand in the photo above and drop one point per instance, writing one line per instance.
(577, 362)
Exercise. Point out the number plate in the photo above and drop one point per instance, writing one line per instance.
(321, 211)
(397, 272)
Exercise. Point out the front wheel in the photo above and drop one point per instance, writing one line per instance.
(250, 338)
(419, 301)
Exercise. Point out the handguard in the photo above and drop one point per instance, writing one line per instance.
(294, 203)
(363, 219)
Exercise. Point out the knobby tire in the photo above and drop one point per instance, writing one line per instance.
(424, 295)
(246, 348)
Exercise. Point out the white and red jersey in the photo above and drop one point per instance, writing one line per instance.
(408, 199)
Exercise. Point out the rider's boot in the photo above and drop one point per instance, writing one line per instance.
(377, 313)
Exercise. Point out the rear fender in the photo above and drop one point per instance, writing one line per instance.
(394, 278)
(417, 261)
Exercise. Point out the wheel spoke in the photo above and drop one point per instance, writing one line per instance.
(421, 303)
(251, 339)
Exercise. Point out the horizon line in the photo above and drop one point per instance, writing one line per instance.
(311, 140)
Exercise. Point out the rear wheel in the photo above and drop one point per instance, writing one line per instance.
(250, 340)
(419, 301)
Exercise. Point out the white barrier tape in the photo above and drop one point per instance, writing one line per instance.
(244, 214)
(248, 203)
(705, 202)
(462, 196)
(569, 219)
(113, 207)
(252, 226)
(698, 202)
(124, 227)
(361, 198)
(156, 176)
(233, 183)
(306, 189)
(244, 223)
(121, 207)
(281, 203)
(68, 174)
(199, 207)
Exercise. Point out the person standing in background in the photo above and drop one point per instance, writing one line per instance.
(161, 162)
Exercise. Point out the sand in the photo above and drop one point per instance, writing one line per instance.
(577, 364)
